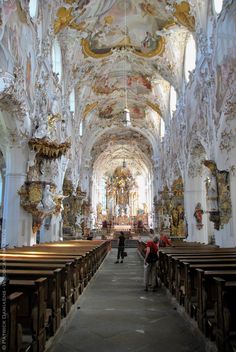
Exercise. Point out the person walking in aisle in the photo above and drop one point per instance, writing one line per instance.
(121, 247)
(150, 263)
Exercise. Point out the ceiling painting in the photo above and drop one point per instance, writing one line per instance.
(115, 109)
(118, 49)
(136, 83)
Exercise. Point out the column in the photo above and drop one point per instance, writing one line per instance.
(17, 224)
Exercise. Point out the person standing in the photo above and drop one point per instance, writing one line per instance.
(164, 241)
(150, 263)
(121, 247)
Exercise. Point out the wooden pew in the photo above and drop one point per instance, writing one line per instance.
(66, 268)
(177, 272)
(10, 328)
(66, 278)
(188, 282)
(206, 293)
(169, 264)
(225, 331)
(53, 291)
(31, 311)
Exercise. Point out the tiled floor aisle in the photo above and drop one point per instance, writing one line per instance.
(116, 315)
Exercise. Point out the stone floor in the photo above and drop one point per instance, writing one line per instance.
(116, 315)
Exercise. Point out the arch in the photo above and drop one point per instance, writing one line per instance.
(97, 134)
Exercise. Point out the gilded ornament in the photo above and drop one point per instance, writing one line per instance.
(125, 43)
(211, 165)
(108, 20)
(183, 16)
(224, 199)
(154, 107)
(65, 19)
(35, 192)
(49, 149)
(178, 188)
(89, 108)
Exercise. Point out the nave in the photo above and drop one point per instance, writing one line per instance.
(115, 314)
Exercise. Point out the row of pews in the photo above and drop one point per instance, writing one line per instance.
(203, 280)
(39, 285)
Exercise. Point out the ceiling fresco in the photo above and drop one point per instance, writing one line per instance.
(118, 50)
(137, 83)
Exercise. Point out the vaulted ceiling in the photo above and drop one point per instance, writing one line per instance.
(116, 47)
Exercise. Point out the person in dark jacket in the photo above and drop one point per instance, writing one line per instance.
(121, 247)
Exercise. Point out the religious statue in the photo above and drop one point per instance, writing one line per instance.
(175, 217)
(127, 210)
(145, 208)
(212, 194)
(166, 221)
(99, 212)
(42, 128)
(31, 160)
(47, 203)
(117, 210)
(93, 219)
(181, 225)
(66, 211)
(79, 220)
(198, 216)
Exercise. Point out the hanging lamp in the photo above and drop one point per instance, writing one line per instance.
(126, 113)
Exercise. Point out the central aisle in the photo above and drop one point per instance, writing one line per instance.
(117, 315)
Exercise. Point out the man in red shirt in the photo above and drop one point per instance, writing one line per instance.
(150, 263)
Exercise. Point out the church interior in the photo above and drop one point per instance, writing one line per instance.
(116, 116)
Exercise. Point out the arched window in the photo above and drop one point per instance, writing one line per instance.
(81, 128)
(56, 59)
(173, 100)
(218, 4)
(72, 101)
(190, 57)
(1, 190)
(33, 8)
(162, 132)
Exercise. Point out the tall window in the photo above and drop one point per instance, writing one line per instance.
(162, 132)
(72, 101)
(103, 192)
(190, 57)
(218, 4)
(173, 100)
(56, 59)
(81, 128)
(1, 190)
(33, 8)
